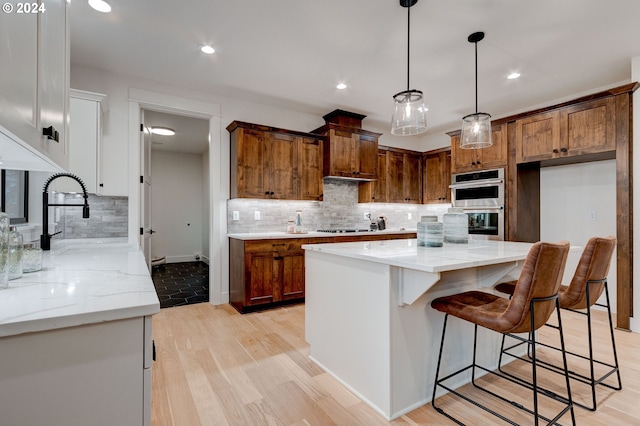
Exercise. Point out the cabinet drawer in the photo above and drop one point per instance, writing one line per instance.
(274, 245)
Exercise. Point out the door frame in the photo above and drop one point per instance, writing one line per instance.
(140, 99)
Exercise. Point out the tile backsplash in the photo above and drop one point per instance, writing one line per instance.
(340, 209)
(108, 217)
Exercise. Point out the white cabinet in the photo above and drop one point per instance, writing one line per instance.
(34, 82)
(85, 135)
(94, 374)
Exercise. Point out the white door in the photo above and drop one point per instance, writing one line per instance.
(146, 232)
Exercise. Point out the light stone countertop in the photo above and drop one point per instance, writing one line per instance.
(314, 234)
(82, 281)
(406, 253)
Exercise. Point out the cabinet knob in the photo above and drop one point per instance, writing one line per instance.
(101, 185)
(271, 193)
(563, 149)
(473, 163)
(555, 150)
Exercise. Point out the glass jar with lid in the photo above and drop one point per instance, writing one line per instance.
(456, 226)
(15, 253)
(4, 250)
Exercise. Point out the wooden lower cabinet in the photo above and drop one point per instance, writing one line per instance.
(269, 273)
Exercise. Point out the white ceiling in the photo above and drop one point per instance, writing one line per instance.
(292, 53)
(192, 134)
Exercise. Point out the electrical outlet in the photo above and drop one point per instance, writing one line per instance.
(236, 215)
(409, 216)
(256, 215)
(593, 215)
(367, 216)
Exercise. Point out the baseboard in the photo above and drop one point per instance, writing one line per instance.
(180, 259)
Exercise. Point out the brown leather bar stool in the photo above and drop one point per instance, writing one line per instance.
(588, 283)
(534, 300)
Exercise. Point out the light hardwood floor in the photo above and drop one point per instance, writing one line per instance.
(217, 367)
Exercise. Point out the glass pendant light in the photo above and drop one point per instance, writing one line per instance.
(476, 128)
(410, 114)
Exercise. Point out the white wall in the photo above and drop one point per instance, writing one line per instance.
(570, 196)
(177, 205)
(206, 206)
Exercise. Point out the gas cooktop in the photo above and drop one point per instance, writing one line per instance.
(343, 230)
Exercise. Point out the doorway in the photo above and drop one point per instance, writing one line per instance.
(218, 182)
(179, 206)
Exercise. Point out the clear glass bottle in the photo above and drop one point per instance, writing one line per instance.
(4, 250)
(15, 253)
(31, 258)
(456, 226)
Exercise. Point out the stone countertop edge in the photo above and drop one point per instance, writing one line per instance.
(449, 257)
(82, 281)
(313, 234)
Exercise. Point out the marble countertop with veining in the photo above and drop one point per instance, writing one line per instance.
(82, 281)
(406, 253)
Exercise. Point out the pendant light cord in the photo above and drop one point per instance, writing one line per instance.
(476, 44)
(409, 42)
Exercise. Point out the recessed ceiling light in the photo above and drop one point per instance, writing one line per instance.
(100, 6)
(341, 86)
(513, 75)
(163, 131)
(207, 49)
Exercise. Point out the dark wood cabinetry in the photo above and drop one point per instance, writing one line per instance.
(275, 163)
(581, 129)
(467, 160)
(437, 177)
(349, 151)
(399, 178)
(266, 273)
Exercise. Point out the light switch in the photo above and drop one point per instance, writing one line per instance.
(236, 215)
(256, 215)
(593, 215)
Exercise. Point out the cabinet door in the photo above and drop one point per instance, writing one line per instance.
(464, 160)
(290, 278)
(341, 153)
(375, 191)
(437, 178)
(260, 276)
(495, 155)
(412, 177)
(281, 169)
(84, 132)
(53, 59)
(19, 76)
(588, 127)
(538, 137)
(367, 155)
(310, 169)
(250, 164)
(395, 177)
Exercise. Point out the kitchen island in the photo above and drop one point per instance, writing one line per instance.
(368, 317)
(75, 337)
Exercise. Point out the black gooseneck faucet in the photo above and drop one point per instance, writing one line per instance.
(45, 238)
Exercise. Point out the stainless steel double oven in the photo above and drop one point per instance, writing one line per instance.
(481, 195)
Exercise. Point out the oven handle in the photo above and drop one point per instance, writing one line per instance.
(476, 184)
(481, 209)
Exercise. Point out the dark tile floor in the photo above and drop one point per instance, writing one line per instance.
(181, 283)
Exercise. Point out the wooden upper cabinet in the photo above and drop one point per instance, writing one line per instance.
(349, 154)
(584, 128)
(399, 178)
(375, 191)
(310, 169)
(437, 177)
(275, 164)
(366, 157)
(412, 178)
(281, 171)
(248, 164)
(466, 160)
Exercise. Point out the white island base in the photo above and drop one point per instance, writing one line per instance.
(369, 322)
